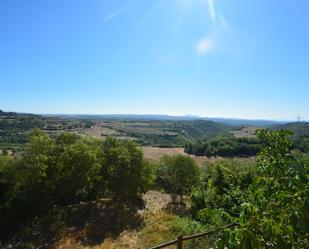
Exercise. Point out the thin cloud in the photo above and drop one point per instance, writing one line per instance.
(224, 24)
(204, 46)
(118, 12)
(212, 10)
(149, 13)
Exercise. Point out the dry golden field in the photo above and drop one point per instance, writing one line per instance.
(153, 154)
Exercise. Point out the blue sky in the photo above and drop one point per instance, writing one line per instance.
(217, 58)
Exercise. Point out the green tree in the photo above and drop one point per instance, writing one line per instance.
(177, 174)
(49, 172)
(276, 214)
(76, 172)
(127, 173)
(65, 171)
(224, 185)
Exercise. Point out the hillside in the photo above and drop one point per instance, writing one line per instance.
(298, 128)
(146, 130)
(163, 133)
(14, 127)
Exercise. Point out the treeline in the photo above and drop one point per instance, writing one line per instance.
(225, 146)
(67, 170)
(160, 140)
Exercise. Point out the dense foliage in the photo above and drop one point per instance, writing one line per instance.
(300, 137)
(271, 206)
(65, 171)
(216, 201)
(277, 213)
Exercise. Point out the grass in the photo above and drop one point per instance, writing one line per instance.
(158, 228)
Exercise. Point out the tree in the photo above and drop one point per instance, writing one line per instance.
(177, 174)
(224, 185)
(276, 214)
(75, 172)
(127, 173)
(50, 172)
(67, 170)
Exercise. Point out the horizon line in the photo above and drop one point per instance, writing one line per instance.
(161, 114)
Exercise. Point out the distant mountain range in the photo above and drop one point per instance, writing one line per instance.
(151, 117)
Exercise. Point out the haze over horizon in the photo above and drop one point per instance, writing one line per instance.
(158, 115)
(211, 58)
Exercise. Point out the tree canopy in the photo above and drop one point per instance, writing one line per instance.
(177, 174)
(68, 170)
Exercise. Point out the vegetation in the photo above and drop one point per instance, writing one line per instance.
(300, 136)
(165, 227)
(127, 173)
(225, 146)
(217, 200)
(15, 127)
(177, 174)
(276, 215)
(82, 181)
(170, 133)
(200, 137)
(65, 171)
(270, 205)
(269, 201)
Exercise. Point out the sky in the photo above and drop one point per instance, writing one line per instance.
(215, 58)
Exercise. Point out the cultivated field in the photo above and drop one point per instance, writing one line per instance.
(245, 132)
